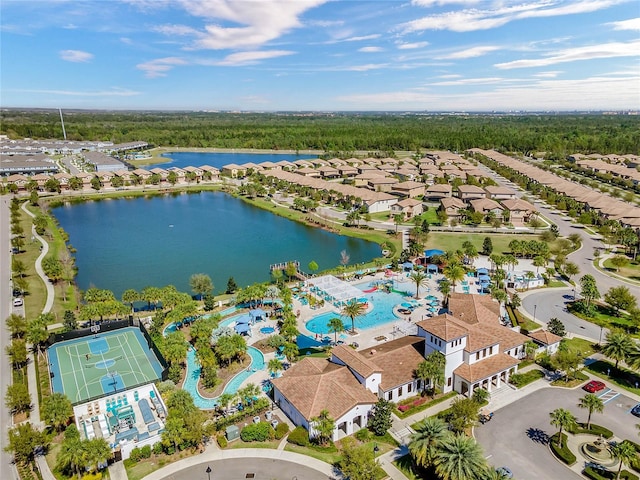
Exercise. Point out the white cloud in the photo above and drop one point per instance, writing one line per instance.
(126, 40)
(471, 81)
(160, 66)
(249, 58)
(596, 93)
(373, 36)
(180, 30)
(550, 74)
(631, 24)
(432, 3)
(77, 56)
(469, 53)
(259, 21)
(590, 52)
(411, 46)
(469, 20)
(114, 92)
(370, 49)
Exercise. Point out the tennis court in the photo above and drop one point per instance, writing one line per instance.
(102, 363)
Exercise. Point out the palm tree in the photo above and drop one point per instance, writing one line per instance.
(459, 458)
(563, 419)
(353, 309)
(618, 346)
(324, 426)
(130, 296)
(335, 326)
(425, 442)
(454, 272)
(592, 403)
(571, 269)
(419, 279)
(274, 366)
(57, 410)
(625, 452)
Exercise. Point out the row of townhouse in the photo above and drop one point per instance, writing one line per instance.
(607, 206)
(617, 170)
(29, 146)
(165, 177)
(516, 211)
(479, 353)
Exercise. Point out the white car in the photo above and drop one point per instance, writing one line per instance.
(18, 302)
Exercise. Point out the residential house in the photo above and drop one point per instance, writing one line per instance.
(500, 193)
(329, 172)
(519, 211)
(234, 171)
(381, 184)
(546, 341)
(308, 172)
(408, 189)
(438, 191)
(452, 206)
(471, 192)
(487, 206)
(408, 208)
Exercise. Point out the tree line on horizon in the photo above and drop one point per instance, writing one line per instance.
(340, 134)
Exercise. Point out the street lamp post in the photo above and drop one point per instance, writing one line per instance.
(534, 311)
(208, 470)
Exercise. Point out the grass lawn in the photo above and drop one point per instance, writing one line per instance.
(137, 471)
(605, 317)
(580, 345)
(407, 467)
(272, 444)
(453, 241)
(36, 295)
(631, 271)
(329, 457)
(622, 377)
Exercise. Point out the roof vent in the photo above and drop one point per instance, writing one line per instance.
(372, 351)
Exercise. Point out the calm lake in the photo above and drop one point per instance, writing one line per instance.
(218, 160)
(134, 243)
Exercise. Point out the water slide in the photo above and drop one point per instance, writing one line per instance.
(371, 290)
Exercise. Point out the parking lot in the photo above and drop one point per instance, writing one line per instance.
(517, 436)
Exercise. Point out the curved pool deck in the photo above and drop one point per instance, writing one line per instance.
(192, 376)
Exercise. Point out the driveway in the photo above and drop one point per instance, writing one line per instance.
(517, 435)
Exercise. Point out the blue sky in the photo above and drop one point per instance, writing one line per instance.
(265, 55)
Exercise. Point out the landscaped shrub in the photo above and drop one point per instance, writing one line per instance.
(158, 448)
(364, 435)
(281, 430)
(257, 432)
(519, 380)
(135, 455)
(261, 405)
(146, 451)
(299, 436)
(597, 474)
(562, 452)
(222, 441)
(593, 430)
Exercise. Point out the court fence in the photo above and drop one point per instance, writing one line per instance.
(110, 326)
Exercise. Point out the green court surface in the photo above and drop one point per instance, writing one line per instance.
(102, 364)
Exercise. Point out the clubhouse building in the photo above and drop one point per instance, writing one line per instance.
(480, 353)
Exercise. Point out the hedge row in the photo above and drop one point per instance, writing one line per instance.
(419, 408)
(597, 474)
(593, 430)
(562, 452)
(519, 380)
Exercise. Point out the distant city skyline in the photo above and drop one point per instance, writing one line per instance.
(318, 55)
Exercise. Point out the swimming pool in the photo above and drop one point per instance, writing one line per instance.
(381, 313)
(267, 330)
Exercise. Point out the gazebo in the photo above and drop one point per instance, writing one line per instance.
(408, 266)
(244, 320)
(431, 268)
(257, 315)
(242, 329)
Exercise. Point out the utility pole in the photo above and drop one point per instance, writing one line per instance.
(64, 132)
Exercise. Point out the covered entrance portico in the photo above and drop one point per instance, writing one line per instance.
(471, 377)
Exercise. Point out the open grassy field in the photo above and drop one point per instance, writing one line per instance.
(631, 271)
(453, 241)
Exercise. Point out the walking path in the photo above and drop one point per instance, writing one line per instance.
(45, 249)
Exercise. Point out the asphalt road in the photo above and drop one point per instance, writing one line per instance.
(517, 435)
(7, 471)
(243, 468)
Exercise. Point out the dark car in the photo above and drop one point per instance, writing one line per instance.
(636, 410)
(505, 472)
(594, 386)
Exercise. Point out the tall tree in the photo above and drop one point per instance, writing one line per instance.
(335, 326)
(592, 403)
(201, 284)
(425, 442)
(618, 346)
(419, 279)
(589, 289)
(459, 458)
(23, 441)
(353, 309)
(563, 419)
(625, 452)
(323, 425)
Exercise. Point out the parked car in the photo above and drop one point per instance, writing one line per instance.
(18, 302)
(505, 472)
(594, 386)
(636, 410)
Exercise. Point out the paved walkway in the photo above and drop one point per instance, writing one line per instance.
(117, 471)
(45, 249)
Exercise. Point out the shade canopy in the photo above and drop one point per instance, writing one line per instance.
(243, 320)
(432, 268)
(407, 265)
(242, 328)
(257, 313)
(484, 278)
(338, 290)
(482, 271)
